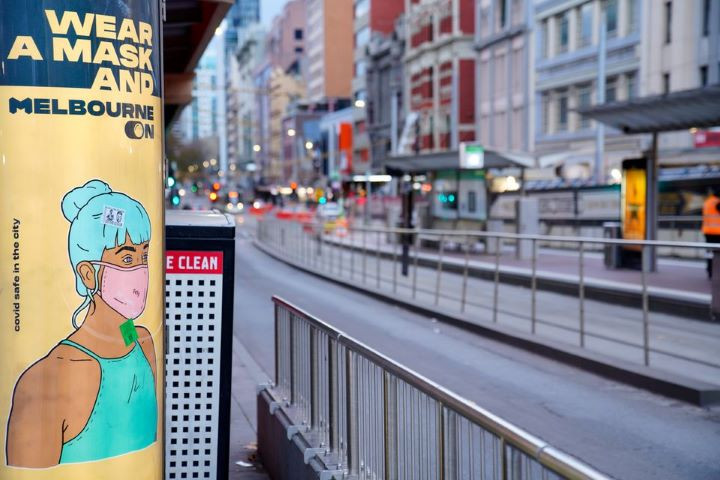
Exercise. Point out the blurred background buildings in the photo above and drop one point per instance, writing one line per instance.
(331, 92)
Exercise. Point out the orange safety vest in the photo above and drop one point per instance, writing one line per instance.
(711, 216)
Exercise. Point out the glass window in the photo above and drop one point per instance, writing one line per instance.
(666, 83)
(586, 25)
(472, 201)
(632, 15)
(704, 76)
(545, 113)
(544, 43)
(298, 34)
(668, 22)
(562, 111)
(362, 36)
(611, 90)
(502, 13)
(563, 29)
(706, 18)
(584, 98)
(612, 18)
(631, 86)
(360, 68)
(361, 8)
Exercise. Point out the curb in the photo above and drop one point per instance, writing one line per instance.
(670, 385)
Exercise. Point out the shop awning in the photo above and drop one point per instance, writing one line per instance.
(698, 108)
(450, 160)
(189, 27)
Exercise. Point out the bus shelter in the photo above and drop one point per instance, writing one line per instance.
(682, 110)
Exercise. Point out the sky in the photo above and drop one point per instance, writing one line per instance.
(270, 8)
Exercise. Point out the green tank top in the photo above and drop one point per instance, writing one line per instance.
(124, 417)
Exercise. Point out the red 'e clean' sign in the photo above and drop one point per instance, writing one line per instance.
(193, 262)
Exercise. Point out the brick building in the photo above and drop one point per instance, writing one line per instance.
(440, 71)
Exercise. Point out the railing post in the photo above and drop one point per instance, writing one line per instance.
(441, 250)
(364, 254)
(415, 264)
(314, 400)
(440, 429)
(390, 422)
(498, 247)
(463, 296)
(394, 263)
(277, 344)
(645, 305)
(352, 413)
(352, 253)
(581, 294)
(377, 259)
(533, 280)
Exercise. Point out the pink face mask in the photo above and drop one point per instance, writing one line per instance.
(124, 289)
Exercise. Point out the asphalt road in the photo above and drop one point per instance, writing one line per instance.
(622, 431)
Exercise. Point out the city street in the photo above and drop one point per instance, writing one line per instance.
(622, 431)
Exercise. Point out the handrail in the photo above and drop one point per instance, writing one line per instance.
(537, 237)
(532, 446)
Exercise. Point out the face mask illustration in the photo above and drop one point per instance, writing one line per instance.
(124, 289)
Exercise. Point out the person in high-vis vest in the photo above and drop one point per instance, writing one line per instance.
(711, 223)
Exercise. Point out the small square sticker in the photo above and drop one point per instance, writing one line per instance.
(113, 216)
(128, 332)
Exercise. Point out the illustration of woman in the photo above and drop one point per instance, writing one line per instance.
(94, 395)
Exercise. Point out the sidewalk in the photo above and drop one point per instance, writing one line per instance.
(246, 376)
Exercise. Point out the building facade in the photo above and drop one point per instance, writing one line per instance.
(504, 76)
(385, 97)
(681, 51)
(566, 79)
(279, 81)
(440, 72)
(373, 20)
(249, 56)
(241, 16)
(329, 39)
(204, 118)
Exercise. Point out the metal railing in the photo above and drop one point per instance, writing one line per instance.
(482, 292)
(368, 417)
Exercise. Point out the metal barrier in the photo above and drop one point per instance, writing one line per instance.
(368, 417)
(369, 257)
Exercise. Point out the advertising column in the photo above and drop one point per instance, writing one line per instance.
(81, 240)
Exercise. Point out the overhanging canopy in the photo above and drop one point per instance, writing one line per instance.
(698, 108)
(450, 160)
(189, 27)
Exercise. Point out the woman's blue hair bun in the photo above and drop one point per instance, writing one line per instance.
(77, 198)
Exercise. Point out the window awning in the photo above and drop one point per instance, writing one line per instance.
(698, 108)
(450, 160)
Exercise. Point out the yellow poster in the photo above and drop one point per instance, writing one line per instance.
(634, 189)
(81, 240)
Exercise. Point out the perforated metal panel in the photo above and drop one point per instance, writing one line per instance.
(193, 303)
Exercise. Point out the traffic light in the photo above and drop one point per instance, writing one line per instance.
(171, 181)
(176, 200)
(213, 197)
(448, 199)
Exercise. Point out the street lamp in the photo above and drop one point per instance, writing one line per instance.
(309, 145)
(291, 132)
(257, 148)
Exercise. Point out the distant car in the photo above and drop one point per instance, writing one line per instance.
(329, 211)
(331, 215)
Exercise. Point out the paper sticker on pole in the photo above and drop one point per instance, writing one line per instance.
(81, 238)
